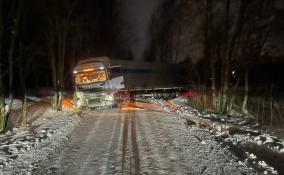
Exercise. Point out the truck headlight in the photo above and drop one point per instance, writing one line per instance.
(79, 103)
(109, 98)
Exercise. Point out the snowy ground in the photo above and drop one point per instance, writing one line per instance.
(17, 104)
(24, 147)
(138, 138)
(251, 146)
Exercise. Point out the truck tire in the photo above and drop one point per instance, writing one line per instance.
(166, 96)
(173, 95)
(115, 105)
(159, 95)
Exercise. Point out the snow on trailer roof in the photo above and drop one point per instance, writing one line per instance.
(96, 59)
(91, 63)
(140, 75)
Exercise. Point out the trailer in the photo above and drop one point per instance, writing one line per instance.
(158, 80)
(106, 82)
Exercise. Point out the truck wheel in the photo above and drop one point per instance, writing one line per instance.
(173, 95)
(166, 96)
(155, 95)
(159, 95)
(115, 105)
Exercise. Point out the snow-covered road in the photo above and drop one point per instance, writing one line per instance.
(139, 140)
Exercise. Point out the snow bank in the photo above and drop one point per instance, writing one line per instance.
(255, 148)
(33, 98)
(24, 147)
(17, 104)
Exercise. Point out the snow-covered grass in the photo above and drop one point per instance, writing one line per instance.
(17, 104)
(242, 136)
(24, 147)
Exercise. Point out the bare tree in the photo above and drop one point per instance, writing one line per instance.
(166, 32)
(5, 110)
(233, 33)
(256, 33)
(23, 67)
(59, 26)
(2, 104)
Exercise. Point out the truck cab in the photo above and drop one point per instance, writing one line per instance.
(93, 84)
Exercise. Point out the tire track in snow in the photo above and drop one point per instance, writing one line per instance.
(124, 142)
(134, 144)
(112, 147)
(100, 145)
(148, 163)
(81, 149)
(60, 161)
(165, 136)
(87, 154)
(130, 151)
(160, 162)
(160, 136)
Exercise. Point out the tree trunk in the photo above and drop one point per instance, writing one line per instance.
(23, 118)
(14, 33)
(2, 104)
(245, 101)
(233, 96)
(263, 110)
(258, 109)
(1, 37)
(213, 85)
(55, 70)
(59, 27)
(225, 61)
(271, 106)
(22, 75)
(225, 87)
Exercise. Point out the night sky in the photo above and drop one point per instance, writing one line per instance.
(200, 77)
(120, 29)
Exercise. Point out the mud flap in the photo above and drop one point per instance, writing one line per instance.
(132, 96)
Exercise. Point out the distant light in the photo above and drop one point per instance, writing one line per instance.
(87, 70)
(79, 103)
(75, 72)
(102, 68)
(234, 73)
(109, 98)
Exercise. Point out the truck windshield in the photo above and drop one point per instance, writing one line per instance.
(90, 77)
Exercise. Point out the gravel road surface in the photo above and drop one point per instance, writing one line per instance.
(139, 138)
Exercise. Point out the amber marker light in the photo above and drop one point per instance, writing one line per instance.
(88, 70)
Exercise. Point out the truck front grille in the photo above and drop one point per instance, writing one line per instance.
(94, 100)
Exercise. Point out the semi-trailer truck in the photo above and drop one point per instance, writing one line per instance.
(106, 82)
